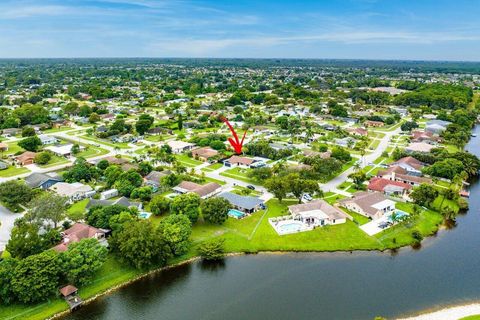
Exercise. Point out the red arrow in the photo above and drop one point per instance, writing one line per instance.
(236, 144)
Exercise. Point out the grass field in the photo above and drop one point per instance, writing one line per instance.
(122, 145)
(212, 167)
(239, 174)
(54, 161)
(187, 161)
(13, 171)
(91, 151)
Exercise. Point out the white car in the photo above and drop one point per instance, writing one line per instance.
(307, 197)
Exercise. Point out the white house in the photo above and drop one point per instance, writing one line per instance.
(47, 139)
(73, 191)
(107, 194)
(317, 213)
(180, 146)
(372, 205)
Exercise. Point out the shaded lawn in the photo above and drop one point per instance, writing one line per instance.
(55, 160)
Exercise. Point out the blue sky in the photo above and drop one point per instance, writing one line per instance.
(351, 29)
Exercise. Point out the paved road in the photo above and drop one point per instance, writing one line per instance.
(333, 184)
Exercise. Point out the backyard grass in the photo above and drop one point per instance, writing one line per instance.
(476, 317)
(13, 171)
(441, 202)
(357, 218)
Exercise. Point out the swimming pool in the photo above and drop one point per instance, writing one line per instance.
(290, 227)
(144, 215)
(400, 214)
(236, 214)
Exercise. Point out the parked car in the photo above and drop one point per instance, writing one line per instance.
(251, 187)
(307, 197)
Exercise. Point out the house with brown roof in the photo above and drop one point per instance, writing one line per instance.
(412, 180)
(389, 187)
(26, 158)
(238, 161)
(411, 165)
(419, 147)
(204, 191)
(78, 232)
(424, 136)
(372, 123)
(311, 153)
(204, 154)
(359, 132)
(372, 205)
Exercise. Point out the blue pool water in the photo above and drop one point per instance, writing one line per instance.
(144, 215)
(236, 213)
(400, 214)
(290, 227)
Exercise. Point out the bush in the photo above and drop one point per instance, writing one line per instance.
(43, 158)
(212, 250)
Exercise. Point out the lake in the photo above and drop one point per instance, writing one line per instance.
(359, 285)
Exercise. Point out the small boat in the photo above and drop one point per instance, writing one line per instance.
(474, 135)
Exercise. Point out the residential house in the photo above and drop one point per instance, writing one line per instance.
(246, 204)
(107, 194)
(372, 123)
(409, 179)
(345, 142)
(317, 213)
(323, 155)
(78, 232)
(10, 132)
(72, 191)
(204, 191)
(424, 136)
(204, 154)
(3, 147)
(64, 150)
(419, 147)
(359, 132)
(180, 146)
(411, 165)
(42, 180)
(26, 158)
(47, 139)
(238, 161)
(153, 178)
(122, 201)
(372, 205)
(389, 187)
(436, 126)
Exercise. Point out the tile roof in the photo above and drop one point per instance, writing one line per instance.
(317, 205)
(245, 202)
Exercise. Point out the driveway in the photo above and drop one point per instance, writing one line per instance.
(7, 218)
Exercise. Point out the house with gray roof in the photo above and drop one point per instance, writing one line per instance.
(243, 203)
(436, 126)
(122, 201)
(42, 180)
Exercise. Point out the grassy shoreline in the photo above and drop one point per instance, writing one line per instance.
(250, 235)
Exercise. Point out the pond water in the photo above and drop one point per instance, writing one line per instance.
(358, 285)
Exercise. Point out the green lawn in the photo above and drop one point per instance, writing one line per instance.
(53, 130)
(13, 148)
(440, 202)
(476, 317)
(239, 174)
(13, 171)
(187, 161)
(122, 145)
(357, 218)
(54, 161)
(213, 167)
(77, 208)
(220, 182)
(91, 151)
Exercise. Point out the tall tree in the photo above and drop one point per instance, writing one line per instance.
(48, 207)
